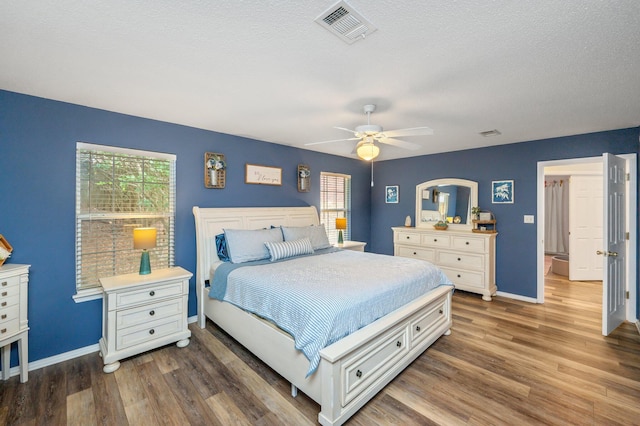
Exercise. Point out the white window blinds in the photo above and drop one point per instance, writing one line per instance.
(335, 201)
(118, 190)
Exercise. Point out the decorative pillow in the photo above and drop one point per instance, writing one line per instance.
(316, 234)
(221, 248)
(246, 245)
(287, 249)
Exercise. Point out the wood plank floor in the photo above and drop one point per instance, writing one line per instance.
(506, 363)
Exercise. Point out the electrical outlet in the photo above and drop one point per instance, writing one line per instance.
(529, 218)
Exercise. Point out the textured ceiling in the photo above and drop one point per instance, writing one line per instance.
(266, 70)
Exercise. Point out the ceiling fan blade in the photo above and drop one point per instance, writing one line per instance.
(348, 130)
(399, 143)
(335, 140)
(414, 131)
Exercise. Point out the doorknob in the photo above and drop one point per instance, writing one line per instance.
(598, 252)
(607, 253)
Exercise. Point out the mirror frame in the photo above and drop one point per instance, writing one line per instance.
(473, 200)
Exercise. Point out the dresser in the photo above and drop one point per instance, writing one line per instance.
(14, 326)
(143, 312)
(467, 258)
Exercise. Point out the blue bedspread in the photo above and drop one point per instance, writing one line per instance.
(322, 298)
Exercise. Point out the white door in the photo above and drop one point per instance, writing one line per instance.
(615, 243)
(585, 228)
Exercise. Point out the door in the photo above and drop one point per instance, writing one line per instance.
(585, 228)
(615, 243)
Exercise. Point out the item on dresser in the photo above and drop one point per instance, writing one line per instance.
(143, 312)
(14, 325)
(5, 250)
(407, 221)
(351, 370)
(467, 258)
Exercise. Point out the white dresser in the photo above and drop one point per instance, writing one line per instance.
(466, 257)
(14, 326)
(143, 312)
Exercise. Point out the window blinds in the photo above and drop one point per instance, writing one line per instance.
(335, 201)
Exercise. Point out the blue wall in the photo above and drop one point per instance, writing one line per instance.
(37, 192)
(516, 241)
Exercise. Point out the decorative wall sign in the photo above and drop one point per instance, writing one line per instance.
(392, 194)
(215, 170)
(263, 175)
(304, 178)
(502, 192)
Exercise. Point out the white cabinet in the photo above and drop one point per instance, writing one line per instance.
(143, 312)
(14, 326)
(351, 245)
(467, 258)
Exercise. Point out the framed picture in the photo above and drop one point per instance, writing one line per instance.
(391, 194)
(263, 175)
(502, 192)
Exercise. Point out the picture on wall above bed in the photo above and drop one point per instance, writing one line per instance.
(502, 192)
(263, 175)
(215, 168)
(392, 194)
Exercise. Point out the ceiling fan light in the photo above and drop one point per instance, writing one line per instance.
(367, 151)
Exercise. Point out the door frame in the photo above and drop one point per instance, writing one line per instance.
(632, 220)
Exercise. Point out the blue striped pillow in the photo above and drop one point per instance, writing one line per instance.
(291, 248)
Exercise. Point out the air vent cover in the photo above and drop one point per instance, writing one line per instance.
(345, 23)
(489, 133)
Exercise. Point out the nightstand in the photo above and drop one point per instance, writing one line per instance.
(352, 245)
(143, 312)
(14, 326)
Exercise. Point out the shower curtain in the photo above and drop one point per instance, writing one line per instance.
(556, 209)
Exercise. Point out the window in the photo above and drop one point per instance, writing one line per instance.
(118, 190)
(335, 201)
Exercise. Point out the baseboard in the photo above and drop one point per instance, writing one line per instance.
(517, 297)
(45, 362)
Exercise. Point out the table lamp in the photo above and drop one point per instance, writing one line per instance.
(341, 223)
(144, 238)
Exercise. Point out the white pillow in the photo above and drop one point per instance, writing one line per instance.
(287, 249)
(316, 234)
(246, 245)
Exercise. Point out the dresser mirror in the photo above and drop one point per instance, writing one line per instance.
(446, 199)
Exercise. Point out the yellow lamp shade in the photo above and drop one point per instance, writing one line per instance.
(144, 238)
(367, 150)
(341, 223)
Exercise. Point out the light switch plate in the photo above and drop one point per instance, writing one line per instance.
(529, 218)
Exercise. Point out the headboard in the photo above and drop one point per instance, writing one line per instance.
(212, 221)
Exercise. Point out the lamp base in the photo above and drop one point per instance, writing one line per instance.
(145, 264)
(340, 240)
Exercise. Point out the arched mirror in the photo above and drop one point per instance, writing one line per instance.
(449, 199)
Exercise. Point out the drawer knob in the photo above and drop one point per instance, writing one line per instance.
(152, 293)
(152, 313)
(440, 311)
(358, 374)
(3, 304)
(459, 259)
(435, 240)
(4, 283)
(4, 316)
(417, 328)
(459, 276)
(399, 343)
(152, 331)
(408, 237)
(414, 253)
(4, 293)
(467, 243)
(4, 330)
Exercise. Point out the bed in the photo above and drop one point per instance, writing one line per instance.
(350, 371)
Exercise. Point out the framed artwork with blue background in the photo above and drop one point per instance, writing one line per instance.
(391, 194)
(502, 192)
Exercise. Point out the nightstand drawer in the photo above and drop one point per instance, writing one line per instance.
(9, 327)
(416, 253)
(147, 332)
(134, 297)
(9, 313)
(144, 314)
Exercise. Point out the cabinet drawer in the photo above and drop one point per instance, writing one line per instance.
(461, 260)
(368, 364)
(408, 237)
(144, 314)
(424, 323)
(9, 327)
(415, 252)
(469, 244)
(149, 331)
(465, 278)
(146, 295)
(435, 240)
(9, 313)
(8, 301)
(9, 291)
(9, 282)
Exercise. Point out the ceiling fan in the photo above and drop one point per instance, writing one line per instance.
(368, 134)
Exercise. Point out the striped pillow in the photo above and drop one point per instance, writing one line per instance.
(285, 249)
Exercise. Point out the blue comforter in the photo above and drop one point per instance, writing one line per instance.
(322, 298)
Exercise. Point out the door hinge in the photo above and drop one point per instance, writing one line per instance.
(627, 295)
(626, 235)
(628, 177)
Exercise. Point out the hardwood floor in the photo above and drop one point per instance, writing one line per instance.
(506, 363)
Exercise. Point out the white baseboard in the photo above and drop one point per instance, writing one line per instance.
(45, 362)
(517, 297)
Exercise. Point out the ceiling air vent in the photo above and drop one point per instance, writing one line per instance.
(344, 22)
(489, 133)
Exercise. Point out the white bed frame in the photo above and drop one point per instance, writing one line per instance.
(352, 370)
